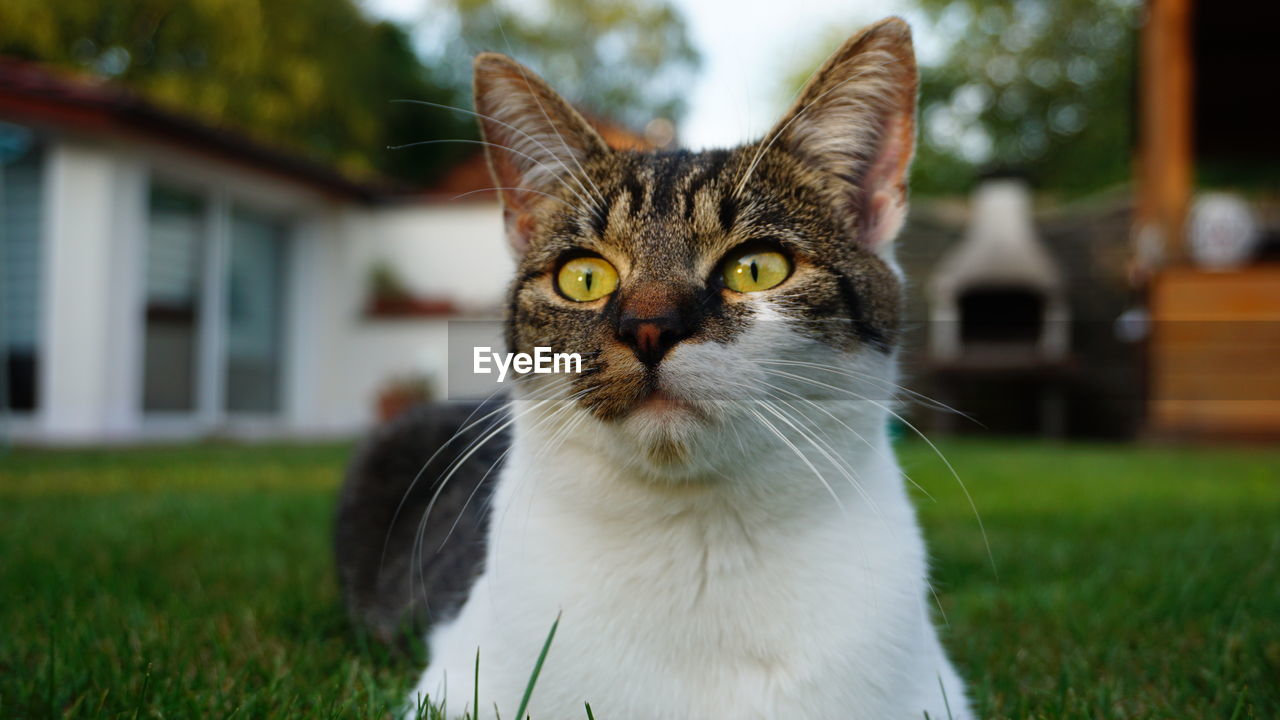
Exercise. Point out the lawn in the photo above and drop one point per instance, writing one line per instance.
(196, 582)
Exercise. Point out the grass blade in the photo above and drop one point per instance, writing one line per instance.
(1235, 714)
(537, 668)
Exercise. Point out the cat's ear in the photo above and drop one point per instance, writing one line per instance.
(855, 120)
(535, 140)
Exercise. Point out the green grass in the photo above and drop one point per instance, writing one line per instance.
(196, 582)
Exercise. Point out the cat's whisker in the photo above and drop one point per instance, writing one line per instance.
(565, 405)
(541, 108)
(869, 377)
(586, 202)
(856, 434)
(950, 468)
(459, 196)
(466, 426)
(457, 464)
(471, 496)
(936, 601)
(751, 389)
(800, 454)
(818, 433)
(415, 553)
(852, 479)
(515, 129)
(448, 475)
(839, 464)
(567, 402)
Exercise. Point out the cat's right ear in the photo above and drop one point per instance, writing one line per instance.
(535, 140)
(856, 119)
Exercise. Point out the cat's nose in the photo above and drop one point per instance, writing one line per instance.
(651, 336)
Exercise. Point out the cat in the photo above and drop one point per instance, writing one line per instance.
(712, 508)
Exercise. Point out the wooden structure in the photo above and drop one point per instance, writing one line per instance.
(1215, 352)
(1214, 355)
(1164, 164)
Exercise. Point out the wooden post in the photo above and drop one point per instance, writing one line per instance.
(1165, 162)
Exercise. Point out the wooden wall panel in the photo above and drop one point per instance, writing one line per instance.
(1215, 352)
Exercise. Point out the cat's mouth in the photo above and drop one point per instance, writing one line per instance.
(661, 401)
(664, 405)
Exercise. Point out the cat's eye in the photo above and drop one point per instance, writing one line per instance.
(755, 269)
(587, 278)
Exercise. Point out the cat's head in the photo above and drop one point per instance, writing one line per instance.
(702, 289)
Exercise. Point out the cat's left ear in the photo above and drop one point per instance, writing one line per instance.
(536, 141)
(855, 120)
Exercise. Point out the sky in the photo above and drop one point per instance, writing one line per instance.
(748, 48)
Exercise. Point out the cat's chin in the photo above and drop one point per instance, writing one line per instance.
(663, 429)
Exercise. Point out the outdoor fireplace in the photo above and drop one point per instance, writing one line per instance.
(999, 316)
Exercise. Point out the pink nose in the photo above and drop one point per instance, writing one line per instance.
(651, 337)
(652, 318)
(648, 335)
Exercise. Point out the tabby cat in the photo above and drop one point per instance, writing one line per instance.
(712, 508)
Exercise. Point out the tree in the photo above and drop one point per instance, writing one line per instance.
(315, 76)
(319, 77)
(626, 60)
(1042, 86)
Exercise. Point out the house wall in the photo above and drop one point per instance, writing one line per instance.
(80, 242)
(92, 259)
(337, 358)
(454, 251)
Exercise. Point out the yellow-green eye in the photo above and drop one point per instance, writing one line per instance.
(754, 270)
(587, 278)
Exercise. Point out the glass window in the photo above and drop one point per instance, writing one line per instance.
(184, 330)
(175, 262)
(255, 313)
(20, 204)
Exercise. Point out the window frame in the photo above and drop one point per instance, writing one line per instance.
(210, 413)
(10, 418)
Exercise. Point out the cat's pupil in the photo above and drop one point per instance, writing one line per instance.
(586, 279)
(755, 272)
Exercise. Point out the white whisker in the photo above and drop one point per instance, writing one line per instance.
(932, 446)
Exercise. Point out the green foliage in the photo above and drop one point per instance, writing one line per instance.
(315, 76)
(625, 60)
(198, 582)
(319, 77)
(1040, 86)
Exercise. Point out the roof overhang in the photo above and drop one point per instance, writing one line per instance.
(39, 96)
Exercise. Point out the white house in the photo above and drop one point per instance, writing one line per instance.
(161, 279)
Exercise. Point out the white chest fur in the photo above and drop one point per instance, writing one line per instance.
(759, 596)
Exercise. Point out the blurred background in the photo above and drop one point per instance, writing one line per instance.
(257, 219)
